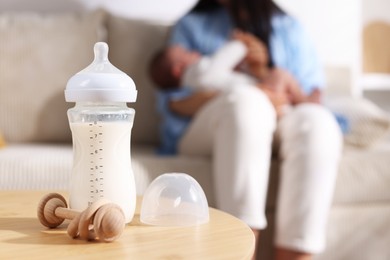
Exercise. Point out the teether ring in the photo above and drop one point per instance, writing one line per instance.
(107, 218)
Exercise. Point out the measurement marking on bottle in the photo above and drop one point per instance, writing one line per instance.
(96, 158)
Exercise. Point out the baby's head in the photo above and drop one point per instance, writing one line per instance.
(168, 65)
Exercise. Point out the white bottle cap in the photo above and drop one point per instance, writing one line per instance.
(100, 81)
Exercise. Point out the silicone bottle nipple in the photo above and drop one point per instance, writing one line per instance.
(100, 63)
(101, 55)
(101, 81)
(101, 52)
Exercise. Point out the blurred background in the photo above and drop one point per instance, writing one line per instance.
(352, 39)
(350, 35)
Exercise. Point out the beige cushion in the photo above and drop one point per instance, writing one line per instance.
(35, 167)
(132, 44)
(376, 51)
(48, 166)
(2, 141)
(363, 175)
(39, 53)
(365, 123)
(358, 232)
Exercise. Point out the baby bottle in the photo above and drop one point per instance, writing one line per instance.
(101, 126)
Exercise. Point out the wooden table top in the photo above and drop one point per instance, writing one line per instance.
(22, 236)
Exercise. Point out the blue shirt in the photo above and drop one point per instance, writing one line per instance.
(205, 33)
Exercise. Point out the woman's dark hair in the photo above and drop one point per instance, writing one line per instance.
(206, 5)
(254, 16)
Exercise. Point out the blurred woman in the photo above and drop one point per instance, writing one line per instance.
(237, 128)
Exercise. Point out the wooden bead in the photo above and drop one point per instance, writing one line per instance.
(86, 218)
(110, 222)
(47, 207)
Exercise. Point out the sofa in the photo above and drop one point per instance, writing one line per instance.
(40, 52)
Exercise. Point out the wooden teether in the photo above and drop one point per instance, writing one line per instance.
(107, 218)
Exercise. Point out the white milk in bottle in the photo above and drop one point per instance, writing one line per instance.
(101, 126)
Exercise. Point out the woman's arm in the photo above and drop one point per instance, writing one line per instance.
(272, 78)
(257, 55)
(189, 106)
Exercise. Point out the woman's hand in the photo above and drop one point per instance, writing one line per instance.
(296, 96)
(278, 98)
(314, 97)
(257, 57)
(281, 80)
(190, 105)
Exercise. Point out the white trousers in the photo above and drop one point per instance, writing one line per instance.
(236, 129)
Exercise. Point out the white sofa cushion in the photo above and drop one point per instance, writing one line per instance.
(362, 176)
(364, 123)
(48, 167)
(39, 53)
(37, 166)
(358, 232)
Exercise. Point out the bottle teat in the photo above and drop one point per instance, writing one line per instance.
(101, 52)
(100, 81)
(100, 63)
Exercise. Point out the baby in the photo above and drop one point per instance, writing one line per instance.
(176, 66)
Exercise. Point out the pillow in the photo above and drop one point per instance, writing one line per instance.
(39, 53)
(2, 141)
(132, 45)
(363, 122)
